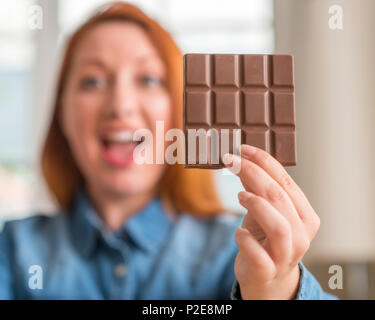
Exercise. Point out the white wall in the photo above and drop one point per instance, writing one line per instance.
(335, 105)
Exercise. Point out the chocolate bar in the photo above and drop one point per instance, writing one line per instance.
(232, 97)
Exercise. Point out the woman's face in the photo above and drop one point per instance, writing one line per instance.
(115, 86)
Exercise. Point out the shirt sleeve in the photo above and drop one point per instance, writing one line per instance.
(309, 288)
(5, 269)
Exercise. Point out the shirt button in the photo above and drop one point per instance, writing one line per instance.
(120, 270)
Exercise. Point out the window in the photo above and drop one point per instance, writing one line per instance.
(17, 52)
(16, 57)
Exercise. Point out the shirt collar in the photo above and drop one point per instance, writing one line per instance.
(146, 228)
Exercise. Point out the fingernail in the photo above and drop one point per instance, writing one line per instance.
(242, 196)
(239, 232)
(227, 158)
(230, 158)
(248, 150)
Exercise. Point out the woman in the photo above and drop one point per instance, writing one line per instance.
(151, 231)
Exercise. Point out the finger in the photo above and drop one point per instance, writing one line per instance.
(275, 226)
(281, 176)
(257, 181)
(255, 255)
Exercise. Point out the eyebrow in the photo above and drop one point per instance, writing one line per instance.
(147, 58)
(143, 60)
(93, 61)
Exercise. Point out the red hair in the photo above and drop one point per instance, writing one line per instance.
(189, 190)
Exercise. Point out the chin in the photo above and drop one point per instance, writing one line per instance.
(127, 184)
(132, 180)
(121, 189)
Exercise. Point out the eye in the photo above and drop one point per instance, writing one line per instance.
(150, 81)
(91, 82)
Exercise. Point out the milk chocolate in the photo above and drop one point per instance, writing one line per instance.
(250, 95)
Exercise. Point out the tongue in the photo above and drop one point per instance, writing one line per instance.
(120, 153)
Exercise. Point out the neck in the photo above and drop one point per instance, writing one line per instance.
(116, 209)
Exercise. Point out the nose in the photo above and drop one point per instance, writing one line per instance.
(123, 100)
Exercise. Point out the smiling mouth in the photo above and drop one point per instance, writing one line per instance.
(118, 148)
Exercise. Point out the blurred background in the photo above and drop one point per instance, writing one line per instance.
(335, 105)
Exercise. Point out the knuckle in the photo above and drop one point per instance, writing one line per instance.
(286, 180)
(274, 194)
(281, 230)
(316, 222)
(250, 171)
(313, 224)
(263, 156)
(301, 246)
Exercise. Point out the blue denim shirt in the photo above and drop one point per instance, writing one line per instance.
(150, 257)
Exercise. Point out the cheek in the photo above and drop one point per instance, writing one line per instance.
(158, 108)
(80, 119)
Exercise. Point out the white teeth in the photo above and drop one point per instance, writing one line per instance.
(120, 136)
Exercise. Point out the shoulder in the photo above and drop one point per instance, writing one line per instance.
(34, 222)
(34, 229)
